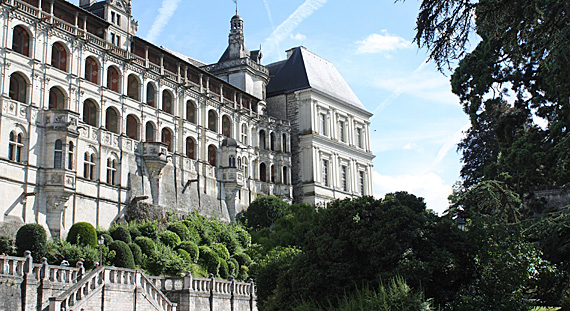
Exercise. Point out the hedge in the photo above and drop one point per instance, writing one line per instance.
(191, 248)
(124, 256)
(146, 244)
(33, 238)
(82, 233)
(121, 233)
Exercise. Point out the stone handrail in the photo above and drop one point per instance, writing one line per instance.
(155, 293)
(79, 291)
(12, 266)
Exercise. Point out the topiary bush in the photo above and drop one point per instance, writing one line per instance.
(123, 255)
(166, 261)
(107, 238)
(169, 238)
(149, 229)
(243, 236)
(229, 238)
(243, 259)
(33, 238)
(221, 250)
(82, 233)
(209, 259)
(121, 233)
(233, 267)
(6, 245)
(184, 254)
(181, 230)
(191, 248)
(137, 253)
(256, 216)
(193, 233)
(224, 271)
(146, 244)
(134, 231)
(243, 273)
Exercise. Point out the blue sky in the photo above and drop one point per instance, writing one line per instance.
(417, 121)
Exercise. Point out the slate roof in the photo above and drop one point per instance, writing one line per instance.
(189, 59)
(303, 70)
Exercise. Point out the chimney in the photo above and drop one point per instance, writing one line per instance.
(290, 52)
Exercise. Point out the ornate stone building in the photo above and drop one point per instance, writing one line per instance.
(94, 118)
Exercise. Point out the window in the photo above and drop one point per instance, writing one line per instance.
(284, 142)
(212, 155)
(341, 131)
(244, 134)
(166, 101)
(57, 154)
(226, 126)
(112, 120)
(118, 20)
(59, 56)
(272, 173)
(167, 138)
(113, 38)
(343, 180)
(359, 137)
(113, 79)
(111, 171)
(18, 88)
(262, 172)
(244, 167)
(190, 148)
(149, 132)
(133, 87)
(150, 94)
(21, 41)
(91, 70)
(15, 147)
(132, 127)
(262, 139)
(325, 172)
(231, 161)
(118, 40)
(56, 98)
(90, 112)
(323, 123)
(284, 177)
(70, 151)
(112, 17)
(212, 121)
(272, 141)
(361, 175)
(89, 166)
(190, 112)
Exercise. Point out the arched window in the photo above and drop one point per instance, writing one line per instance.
(244, 134)
(18, 88)
(59, 56)
(150, 94)
(90, 112)
(70, 151)
(166, 101)
(15, 146)
(132, 127)
(89, 165)
(272, 141)
(149, 132)
(284, 142)
(284, 178)
(262, 172)
(91, 70)
(190, 112)
(190, 148)
(212, 121)
(272, 173)
(226, 126)
(56, 98)
(167, 138)
(262, 140)
(113, 79)
(133, 87)
(244, 167)
(112, 120)
(58, 154)
(21, 41)
(212, 155)
(112, 171)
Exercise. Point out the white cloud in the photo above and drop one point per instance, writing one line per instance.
(164, 14)
(382, 42)
(298, 37)
(428, 185)
(413, 146)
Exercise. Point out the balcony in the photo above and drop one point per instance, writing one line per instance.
(62, 120)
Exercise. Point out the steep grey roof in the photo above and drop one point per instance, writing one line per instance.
(304, 69)
(189, 59)
(229, 142)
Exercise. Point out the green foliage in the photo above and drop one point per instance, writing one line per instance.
(6, 245)
(169, 238)
(137, 253)
(121, 233)
(242, 235)
(193, 233)
(146, 244)
(180, 229)
(243, 274)
(191, 248)
(184, 255)
(224, 269)
(209, 259)
(233, 266)
(243, 259)
(107, 238)
(201, 225)
(221, 250)
(82, 233)
(149, 229)
(124, 256)
(33, 238)
(263, 211)
(134, 231)
(58, 250)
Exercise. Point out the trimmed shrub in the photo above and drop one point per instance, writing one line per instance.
(169, 238)
(224, 271)
(137, 253)
(209, 259)
(243, 259)
(243, 273)
(31, 237)
(146, 244)
(123, 255)
(243, 236)
(82, 233)
(191, 248)
(149, 229)
(6, 245)
(135, 232)
(184, 254)
(108, 238)
(229, 238)
(233, 266)
(256, 216)
(56, 251)
(221, 250)
(121, 233)
(194, 234)
(166, 261)
(181, 230)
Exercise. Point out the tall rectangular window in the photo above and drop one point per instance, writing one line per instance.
(325, 172)
(359, 137)
(323, 121)
(341, 131)
(343, 180)
(361, 182)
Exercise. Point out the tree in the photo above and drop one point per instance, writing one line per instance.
(263, 211)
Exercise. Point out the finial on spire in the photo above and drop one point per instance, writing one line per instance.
(236, 2)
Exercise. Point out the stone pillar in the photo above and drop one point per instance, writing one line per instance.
(29, 285)
(212, 291)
